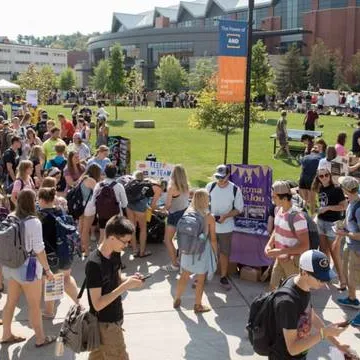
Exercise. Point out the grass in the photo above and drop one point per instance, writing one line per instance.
(201, 150)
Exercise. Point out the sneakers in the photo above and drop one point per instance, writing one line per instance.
(170, 268)
(224, 282)
(356, 321)
(350, 303)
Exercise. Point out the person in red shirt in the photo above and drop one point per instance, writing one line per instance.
(67, 128)
(311, 118)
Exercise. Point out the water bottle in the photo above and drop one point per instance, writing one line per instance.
(31, 269)
(59, 347)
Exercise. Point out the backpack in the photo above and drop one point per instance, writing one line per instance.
(106, 203)
(190, 234)
(61, 186)
(235, 188)
(314, 238)
(80, 329)
(261, 320)
(75, 201)
(137, 190)
(8, 187)
(12, 238)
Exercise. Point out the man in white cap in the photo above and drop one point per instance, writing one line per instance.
(351, 256)
(297, 328)
(285, 246)
(226, 201)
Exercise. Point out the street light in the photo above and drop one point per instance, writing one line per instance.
(248, 86)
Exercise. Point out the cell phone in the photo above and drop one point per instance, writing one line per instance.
(146, 276)
(344, 324)
(217, 218)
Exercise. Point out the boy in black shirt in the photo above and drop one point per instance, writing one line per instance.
(294, 316)
(105, 286)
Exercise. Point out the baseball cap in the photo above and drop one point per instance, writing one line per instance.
(281, 187)
(317, 263)
(221, 172)
(348, 183)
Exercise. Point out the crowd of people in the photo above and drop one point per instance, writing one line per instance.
(56, 184)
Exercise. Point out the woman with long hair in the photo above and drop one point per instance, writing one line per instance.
(18, 281)
(23, 179)
(177, 201)
(74, 169)
(101, 158)
(37, 157)
(47, 214)
(200, 265)
(85, 131)
(332, 206)
(102, 133)
(30, 141)
(340, 144)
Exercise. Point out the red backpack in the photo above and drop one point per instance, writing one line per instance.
(106, 202)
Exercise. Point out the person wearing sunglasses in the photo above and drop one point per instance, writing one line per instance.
(332, 205)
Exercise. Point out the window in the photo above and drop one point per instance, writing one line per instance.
(23, 51)
(260, 14)
(357, 2)
(5, 50)
(292, 12)
(5, 72)
(182, 50)
(5, 62)
(22, 62)
(44, 53)
(242, 15)
(328, 4)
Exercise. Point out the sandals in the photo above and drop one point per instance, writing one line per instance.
(48, 316)
(146, 254)
(199, 309)
(177, 303)
(48, 340)
(13, 340)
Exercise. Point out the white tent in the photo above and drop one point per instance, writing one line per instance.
(7, 85)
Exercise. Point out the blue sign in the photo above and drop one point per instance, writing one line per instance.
(233, 38)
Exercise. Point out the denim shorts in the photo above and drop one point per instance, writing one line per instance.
(325, 228)
(174, 218)
(139, 206)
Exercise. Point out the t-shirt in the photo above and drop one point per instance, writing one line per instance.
(222, 202)
(82, 150)
(103, 273)
(329, 196)
(101, 162)
(292, 314)
(284, 237)
(10, 156)
(353, 225)
(67, 129)
(355, 138)
(311, 116)
(58, 162)
(310, 165)
(20, 184)
(49, 227)
(340, 150)
(49, 147)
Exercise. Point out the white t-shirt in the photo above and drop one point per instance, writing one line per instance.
(222, 202)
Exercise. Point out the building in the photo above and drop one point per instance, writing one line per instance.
(190, 29)
(15, 58)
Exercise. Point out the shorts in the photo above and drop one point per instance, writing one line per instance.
(351, 266)
(102, 223)
(310, 127)
(283, 269)
(139, 206)
(112, 343)
(305, 183)
(325, 228)
(174, 218)
(320, 107)
(19, 274)
(224, 243)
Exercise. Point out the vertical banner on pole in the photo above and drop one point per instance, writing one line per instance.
(232, 61)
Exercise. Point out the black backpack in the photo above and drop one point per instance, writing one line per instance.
(61, 186)
(261, 321)
(137, 190)
(76, 202)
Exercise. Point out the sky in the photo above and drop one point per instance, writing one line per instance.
(41, 17)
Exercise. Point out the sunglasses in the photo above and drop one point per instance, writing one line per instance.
(322, 176)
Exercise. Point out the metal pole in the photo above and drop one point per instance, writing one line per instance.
(248, 86)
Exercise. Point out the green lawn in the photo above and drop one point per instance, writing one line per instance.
(201, 150)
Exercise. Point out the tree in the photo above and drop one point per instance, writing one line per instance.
(337, 69)
(262, 75)
(100, 79)
(354, 71)
(320, 67)
(199, 76)
(291, 76)
(134, 83)
(224, 118)
(116, 83)
(171, 75)
(67, 79)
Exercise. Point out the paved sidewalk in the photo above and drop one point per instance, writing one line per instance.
(155, 331)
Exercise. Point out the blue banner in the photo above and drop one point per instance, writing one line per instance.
(233, 38)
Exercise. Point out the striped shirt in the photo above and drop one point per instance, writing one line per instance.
(284, 237)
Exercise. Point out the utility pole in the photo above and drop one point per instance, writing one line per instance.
(248, 85)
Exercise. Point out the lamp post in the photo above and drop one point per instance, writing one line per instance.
(248, 86)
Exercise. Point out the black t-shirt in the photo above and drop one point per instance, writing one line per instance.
(355, 138)
(309, 165)
(48, 222)
(329, 196)
(104, 273)
(291, 314)
(10, 156)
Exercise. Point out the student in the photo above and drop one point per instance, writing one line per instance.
(297, 327)
(351, 258)
(49, 145)
(101, 158)
(340, 144)
(282, 136)
(11, 161)
(105, 286)
(310, 120)
(102, 131)
(23, 179)
(79, 147)
(67, 128)
(73, 170)
(226, 202)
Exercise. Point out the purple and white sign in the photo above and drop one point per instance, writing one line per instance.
(255, 183)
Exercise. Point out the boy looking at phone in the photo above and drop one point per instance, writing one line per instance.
(105, 285)
(351, 256)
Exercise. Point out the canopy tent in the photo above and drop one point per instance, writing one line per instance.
(7, 85)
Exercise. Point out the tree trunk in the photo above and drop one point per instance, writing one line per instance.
(116, 112)
(226, 146)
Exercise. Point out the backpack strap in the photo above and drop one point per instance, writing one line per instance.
(235, 188)
(291, 219)
(83, 286)
(353, 212)
(212, 187)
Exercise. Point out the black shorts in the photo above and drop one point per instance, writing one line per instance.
(305, 183)
(310, 127)
(102, 223)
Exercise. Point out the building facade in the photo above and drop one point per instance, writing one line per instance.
(15, 58)
(191, 30)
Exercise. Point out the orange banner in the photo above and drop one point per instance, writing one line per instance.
(232, 79)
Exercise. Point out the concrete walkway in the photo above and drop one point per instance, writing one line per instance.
(155, 331)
